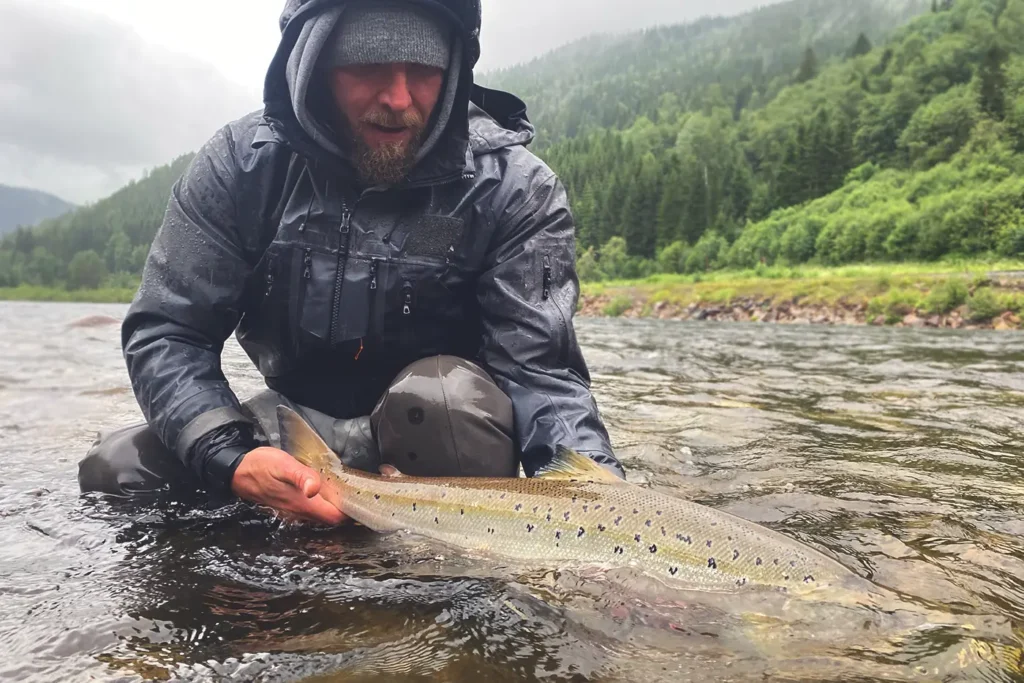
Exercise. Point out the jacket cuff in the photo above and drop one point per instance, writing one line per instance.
(220, 468)
(203, 425)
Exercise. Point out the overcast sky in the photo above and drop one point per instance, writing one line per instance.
(93, 92)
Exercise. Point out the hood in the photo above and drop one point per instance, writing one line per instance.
(280, 123)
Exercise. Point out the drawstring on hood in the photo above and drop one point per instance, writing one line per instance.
(308, 67)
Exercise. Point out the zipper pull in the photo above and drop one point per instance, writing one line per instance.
(346, 220)
(308, 261)
(407, 299)
(374, 264)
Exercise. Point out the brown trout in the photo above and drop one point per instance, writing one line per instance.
(574, 513)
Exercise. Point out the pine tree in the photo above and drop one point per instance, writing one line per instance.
(993, 83)
(809, 67)
(861, 47)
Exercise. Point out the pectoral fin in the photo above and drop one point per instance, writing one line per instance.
(568, 464)
(302, 442)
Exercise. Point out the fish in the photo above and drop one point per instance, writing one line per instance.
(573, 513)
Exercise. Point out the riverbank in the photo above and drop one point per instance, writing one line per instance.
(108, 295)
(956, 296)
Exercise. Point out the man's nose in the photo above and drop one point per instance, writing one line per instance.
(396, 96)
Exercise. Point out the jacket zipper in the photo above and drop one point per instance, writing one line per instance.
(346, 231)
(547, 278)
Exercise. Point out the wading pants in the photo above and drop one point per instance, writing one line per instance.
(441, 416)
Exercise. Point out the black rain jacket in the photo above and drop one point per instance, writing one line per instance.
(332, 290)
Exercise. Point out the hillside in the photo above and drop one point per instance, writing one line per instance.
(82, 249)
(603, 82)
(20, 206)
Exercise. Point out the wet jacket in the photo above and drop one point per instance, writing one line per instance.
(332, 289)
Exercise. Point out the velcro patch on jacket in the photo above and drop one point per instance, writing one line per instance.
(434, 235)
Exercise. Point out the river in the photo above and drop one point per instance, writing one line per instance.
(895, 451)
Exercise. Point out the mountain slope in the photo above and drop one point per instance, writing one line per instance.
(24, 207)
(605, 82)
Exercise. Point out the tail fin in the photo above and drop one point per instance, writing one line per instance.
(302, 442)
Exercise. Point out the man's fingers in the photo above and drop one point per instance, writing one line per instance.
(301, 477)
(319, 510)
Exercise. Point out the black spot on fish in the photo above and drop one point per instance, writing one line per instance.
(597, 507)
(530, 528)
(712, 564)
(684, 539)
(709, 542)
(376, 496)
(435, 521)
(663, 532)
(503, 496)
(519, 506)
(444, 494)
(579, 534)
(558, 534)
(611, 509)
(619, 550)
(462, 511)
(775, 562)
(635, 511)
(566, 515)
(714, 523)
(730, 538)
(653, 548)
(586, 508)
(792, 563)
(414, 507)
(602, 527)
(673, 570)
(786, 577)
(574, 498)
(759, 562)
(808, 579)
(735, 555)
(618, 520)
(648, 523)
(535, 507)
(636, 538)
(659, 513)
(549, 517)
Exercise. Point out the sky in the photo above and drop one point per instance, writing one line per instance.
(94, 92)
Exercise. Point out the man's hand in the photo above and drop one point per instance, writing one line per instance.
(270, 477)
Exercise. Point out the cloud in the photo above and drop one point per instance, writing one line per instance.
(85, 103)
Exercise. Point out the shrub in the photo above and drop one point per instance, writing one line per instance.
(946, 296)
(617, 306)
(983, 305)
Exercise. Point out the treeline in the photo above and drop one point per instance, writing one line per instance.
(906, 151)
(102, 244)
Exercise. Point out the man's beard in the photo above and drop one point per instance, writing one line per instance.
(389, 163)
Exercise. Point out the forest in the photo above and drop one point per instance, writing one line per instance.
(809, 132)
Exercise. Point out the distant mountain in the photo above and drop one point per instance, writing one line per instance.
(20, 206)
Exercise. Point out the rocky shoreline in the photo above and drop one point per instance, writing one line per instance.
(792, 312)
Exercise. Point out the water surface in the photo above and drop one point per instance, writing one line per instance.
(894, 451)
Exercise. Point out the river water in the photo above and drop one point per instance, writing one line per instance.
(895, 451)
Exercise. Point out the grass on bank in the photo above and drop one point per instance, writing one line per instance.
(106, 295)
(889, 290)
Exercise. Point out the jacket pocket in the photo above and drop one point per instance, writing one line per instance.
(316, 274)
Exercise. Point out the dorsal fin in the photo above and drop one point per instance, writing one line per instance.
(390, 471)
(301, 441)
(568, 464)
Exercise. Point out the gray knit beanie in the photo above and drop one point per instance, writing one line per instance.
(384, 33)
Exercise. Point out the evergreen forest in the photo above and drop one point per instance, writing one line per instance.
(811, 131)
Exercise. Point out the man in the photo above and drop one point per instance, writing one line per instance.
(395, 262)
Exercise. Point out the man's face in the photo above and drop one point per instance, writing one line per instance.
(386, 108)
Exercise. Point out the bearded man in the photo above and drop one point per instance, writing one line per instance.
(392, 259)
